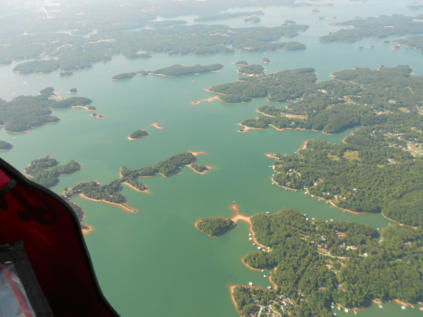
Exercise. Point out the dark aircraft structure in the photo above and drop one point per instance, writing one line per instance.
(45, 267)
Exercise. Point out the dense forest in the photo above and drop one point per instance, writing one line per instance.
(26, 112)
(375, 27)
(251, 70)
(278, 87)
(376, 169)
(214, 227)
(319, 265)
(46, 171)
(112, 192)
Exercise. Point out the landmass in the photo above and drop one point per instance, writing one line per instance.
(317, 266)
(278, 87)
(381, 161)
(111, 192)
(5, 146)
(24, 113)
(138, 134)
(375, 27)
(73, 90)
(80, 213)
(46, 171)
(72, 52)
(173, 71)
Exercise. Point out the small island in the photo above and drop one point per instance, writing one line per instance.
(5, 146)
(251, 70)
(241, 63)
(124, 76)
(96, 115)
(138, 134)
(73, 90)
(214, 227)
(46, 171)
(66, 74)
(266, 60)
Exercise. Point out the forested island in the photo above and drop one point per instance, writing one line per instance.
(124, 76)
(111, 192)
(46, 171)
(138, 134)
(214, 227)
(376, 169)
(375, 27)
(26, 112)
(5, 146)
(317, 266)
(173, 71)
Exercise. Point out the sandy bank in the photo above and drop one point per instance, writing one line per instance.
(272, 155)
(240, 217)
(87, 229)
(197, 153)
(265, 114)
(157, 126)
(82, 107)
(211, 99)
(208, 169)
(146, 191)
(246, 129)
(124, 207)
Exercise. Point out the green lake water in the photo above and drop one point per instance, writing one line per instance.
(155, 263)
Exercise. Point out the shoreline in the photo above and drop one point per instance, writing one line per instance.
(197, 153)
(265, 114)
(83, 107)
(272, 156)
(121, 206)
(246, 128)
(147, 191)
(208, 169)
(238, 216)
(135, 139)
(86, 229)
(210, 99)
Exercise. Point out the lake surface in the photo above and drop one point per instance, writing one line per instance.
(155, 263)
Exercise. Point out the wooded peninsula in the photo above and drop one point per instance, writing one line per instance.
(111, 193)
(26, 112)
